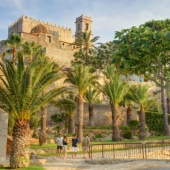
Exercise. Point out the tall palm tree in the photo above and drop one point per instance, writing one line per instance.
(43, 110)
(20, 97)
(80, 77)
(139, 94)
(115, 91)
(91, 96)
(83, 40)
(13, 43)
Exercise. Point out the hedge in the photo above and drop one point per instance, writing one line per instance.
(154, 121)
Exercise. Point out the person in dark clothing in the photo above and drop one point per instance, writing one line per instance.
(65, 143)
(74, 145)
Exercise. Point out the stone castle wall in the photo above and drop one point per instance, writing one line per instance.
(25, 24)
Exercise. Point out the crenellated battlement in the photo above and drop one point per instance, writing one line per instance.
(39, 21)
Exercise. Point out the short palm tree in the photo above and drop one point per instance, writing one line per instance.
(13, 43)
(91, 96)
(32, 50)
(67, 104)
(83, 40)
(139, 94)
(115, 90)
(80, 77)
(20, 96)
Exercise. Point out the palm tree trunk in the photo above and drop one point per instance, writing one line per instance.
(19, 156)
(116, 133)
(142, 132)
(80, 110)
(168, 105)
(91, 115)
(129, 113)
(164, 110)
(71, 128)
(43, 135)
(87, 62)
(13, 57)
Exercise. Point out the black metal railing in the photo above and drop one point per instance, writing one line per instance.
(149, 150)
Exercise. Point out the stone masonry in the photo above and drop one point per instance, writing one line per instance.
(3, 135)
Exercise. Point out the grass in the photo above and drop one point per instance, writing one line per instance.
(30, 167)
(151, 138)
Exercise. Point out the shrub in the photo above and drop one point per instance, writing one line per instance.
(126, 128)
(98, 136)
(154, 121)
(98, 127)
(133, 124)
(127, 135)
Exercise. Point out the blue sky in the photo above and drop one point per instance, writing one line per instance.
(108, 15)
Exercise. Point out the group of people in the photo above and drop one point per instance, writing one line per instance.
(62, 144)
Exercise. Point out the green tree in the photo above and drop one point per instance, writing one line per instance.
(13, 43)
(91, 96)
(20, 97)
(83, 41)
(145, 50)
(140, 95)
(80, 77)
(114, 89)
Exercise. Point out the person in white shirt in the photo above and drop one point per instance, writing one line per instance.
(59, 141)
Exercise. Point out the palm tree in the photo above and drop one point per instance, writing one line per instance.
(139, 94)
(67, 104)
(13, 43)
(52, 66)
(115, 91)
(83, 40)
(91, 96)
(20, 97)
(80, 77)
(32, 50)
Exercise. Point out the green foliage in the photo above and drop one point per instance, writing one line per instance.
(127, 135)
(62, 117)
(133, 124)
(154, 121)
(126, 128)
(98, 127)
(98, 136)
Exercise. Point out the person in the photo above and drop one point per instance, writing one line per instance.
(65, 143)
(59, 141)
(74, 145)
(85, 145)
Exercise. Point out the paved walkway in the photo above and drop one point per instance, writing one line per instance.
(79, 164)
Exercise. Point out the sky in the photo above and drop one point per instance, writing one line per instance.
(108, 15)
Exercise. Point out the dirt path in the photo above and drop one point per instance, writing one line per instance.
(79, 164)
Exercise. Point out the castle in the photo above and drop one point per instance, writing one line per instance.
(55, 40)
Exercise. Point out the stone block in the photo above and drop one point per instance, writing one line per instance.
(4, 116)
(2, 155)
(3, 141)
(3, 132)
(3, 124)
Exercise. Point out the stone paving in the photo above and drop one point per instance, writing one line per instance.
(58, 163)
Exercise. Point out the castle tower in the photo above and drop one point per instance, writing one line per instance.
(83, 23)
